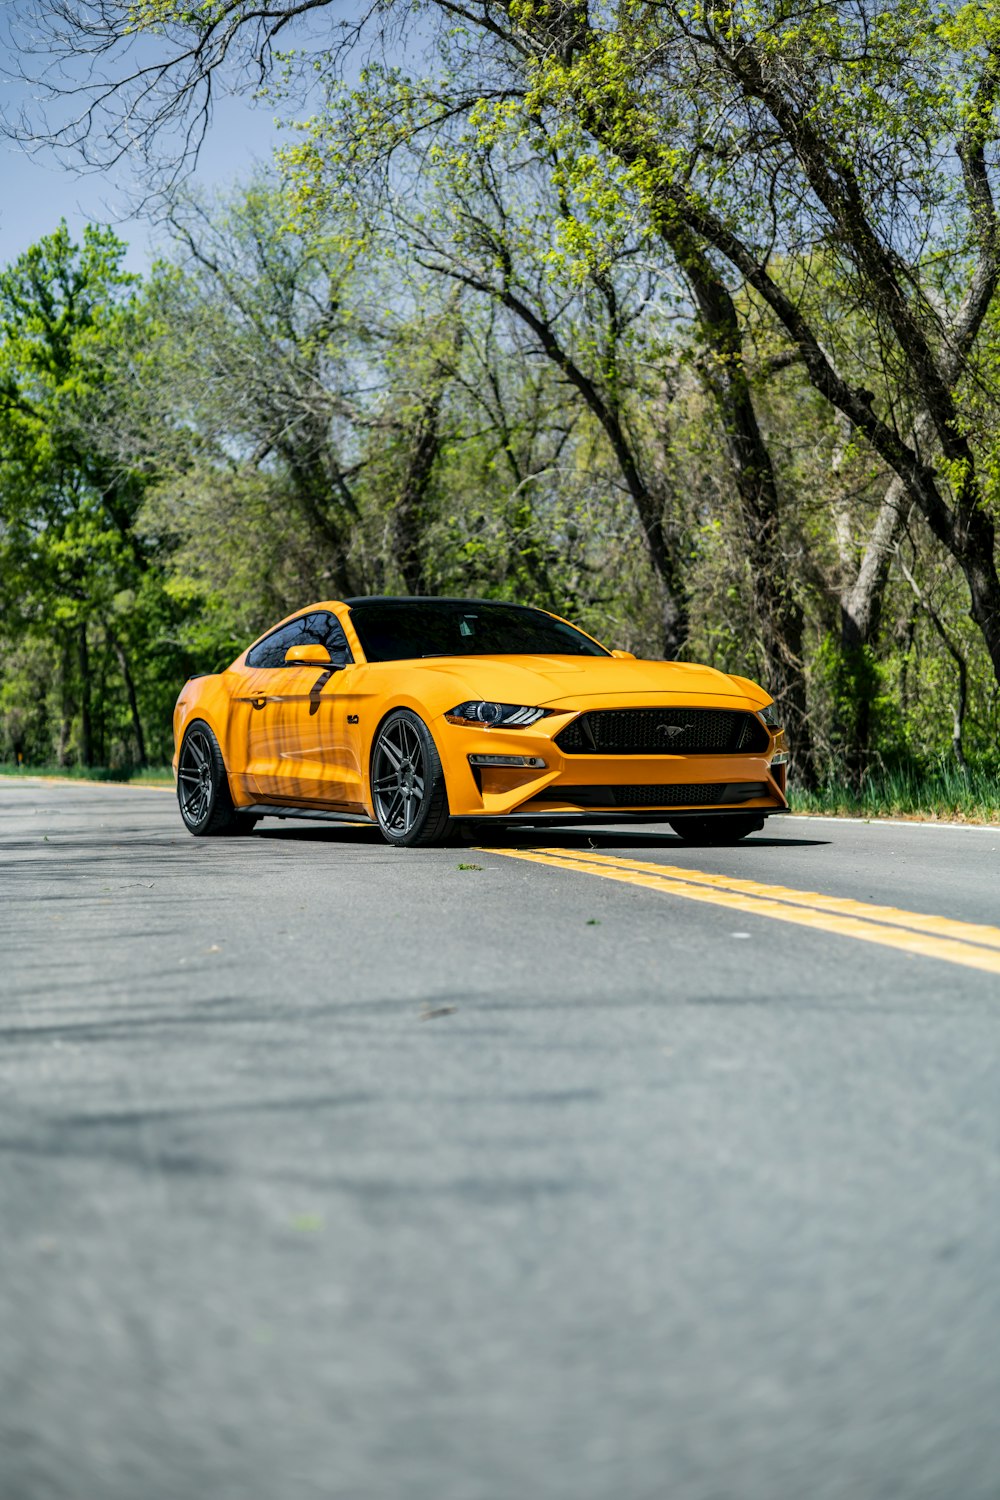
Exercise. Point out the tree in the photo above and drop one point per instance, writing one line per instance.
(491, 188)
(208, 34)
(829, 161)
(473, 230)
(321, 352)
(265, 347)
(71, 564)
(822, 179)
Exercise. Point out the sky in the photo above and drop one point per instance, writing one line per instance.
(38, 192)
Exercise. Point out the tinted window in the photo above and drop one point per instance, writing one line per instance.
(396, 630)
(318, 629)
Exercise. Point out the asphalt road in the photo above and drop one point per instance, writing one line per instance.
(330, 1170)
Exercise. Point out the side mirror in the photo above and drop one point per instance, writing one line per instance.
(624, 655)
(308, 656)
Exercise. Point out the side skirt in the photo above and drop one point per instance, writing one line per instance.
(325, 815)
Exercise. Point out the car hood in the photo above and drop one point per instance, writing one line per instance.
(568, 681)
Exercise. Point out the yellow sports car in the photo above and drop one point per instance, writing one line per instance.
(424, 715)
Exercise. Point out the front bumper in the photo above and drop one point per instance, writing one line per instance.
(572, 785)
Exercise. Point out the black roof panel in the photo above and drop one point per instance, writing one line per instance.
(429, 599)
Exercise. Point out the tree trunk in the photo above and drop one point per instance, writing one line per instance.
(83, 665)
(975, 554)
(860, 616)
(119, 650)
(313, 481)
(861, 600)
(66, 704)
(409, 518)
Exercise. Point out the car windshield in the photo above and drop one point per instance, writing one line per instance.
(398, 630)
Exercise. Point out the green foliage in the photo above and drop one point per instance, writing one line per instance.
(78, 591)
(460, 345)
(154, 15)
(858, 710)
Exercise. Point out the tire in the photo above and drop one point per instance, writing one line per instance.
(203, 787)
(409, 795)
(727, 829)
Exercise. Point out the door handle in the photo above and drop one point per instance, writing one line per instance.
(259, 701)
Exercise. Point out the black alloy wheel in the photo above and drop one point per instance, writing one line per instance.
(726, 829)
(203, 786)
(408, 790)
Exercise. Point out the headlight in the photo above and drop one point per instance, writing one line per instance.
(495, 715)
(770, 716)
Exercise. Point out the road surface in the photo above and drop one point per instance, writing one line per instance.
(575, 1167)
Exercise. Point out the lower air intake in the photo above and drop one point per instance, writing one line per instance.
(683, 794)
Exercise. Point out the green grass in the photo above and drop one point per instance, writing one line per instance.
(943, 792)
(146, 776)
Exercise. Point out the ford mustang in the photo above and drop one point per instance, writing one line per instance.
(424, 716)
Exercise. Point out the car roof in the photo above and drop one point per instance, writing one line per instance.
(433, 599)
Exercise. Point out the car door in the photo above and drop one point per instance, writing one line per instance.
(299, 746)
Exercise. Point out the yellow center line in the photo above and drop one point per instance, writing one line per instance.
(838, 915)
(890, 916)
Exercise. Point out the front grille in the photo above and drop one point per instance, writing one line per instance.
(682, 794)
(663, 731)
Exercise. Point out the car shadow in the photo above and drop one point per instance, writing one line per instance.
(359, 834)
(322, 833)
(608, 838)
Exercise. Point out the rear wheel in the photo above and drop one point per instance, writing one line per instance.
(728, 829)
(408, 790)
(203, 787)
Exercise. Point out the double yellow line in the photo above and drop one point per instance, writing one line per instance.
(967, 943)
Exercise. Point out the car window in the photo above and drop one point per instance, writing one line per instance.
(397, 630)
(320, 628)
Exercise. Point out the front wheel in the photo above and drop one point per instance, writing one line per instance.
(728, 829)
(408, 790)
(203, 786)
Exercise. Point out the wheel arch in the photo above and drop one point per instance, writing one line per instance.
(198, 715)
(208, 698)
(411, 706)
(209, 809)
